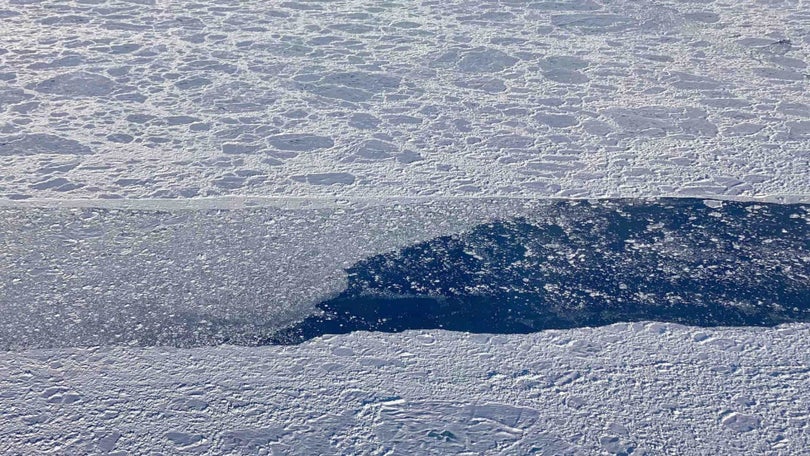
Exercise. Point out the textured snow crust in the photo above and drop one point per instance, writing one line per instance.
(177, 99)
(648, 388)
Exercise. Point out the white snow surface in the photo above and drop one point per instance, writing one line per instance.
(648, 388)
(177, 99)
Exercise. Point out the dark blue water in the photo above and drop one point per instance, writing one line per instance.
(586, 264)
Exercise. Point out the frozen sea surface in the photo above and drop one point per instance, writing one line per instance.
(176, 99)
(220, 175)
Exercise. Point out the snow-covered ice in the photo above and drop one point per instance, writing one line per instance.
(160, 98)
(640, 388)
